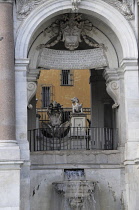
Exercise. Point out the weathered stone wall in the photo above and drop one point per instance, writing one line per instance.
(102, 167)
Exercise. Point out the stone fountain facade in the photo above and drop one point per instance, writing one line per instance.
(26, 179)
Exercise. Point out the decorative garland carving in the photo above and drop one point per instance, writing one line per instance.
(24, 7)
(31, 90)
(70, 29)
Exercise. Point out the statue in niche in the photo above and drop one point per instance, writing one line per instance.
(70, 29)
(55, 128)
(76, 106)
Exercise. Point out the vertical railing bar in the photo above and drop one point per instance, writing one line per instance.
(109, 147)
(77, 138)
(70, 139)
(103, 138)
(34, 140)
(38, 139)
(60, 139)
(29, 139)
(44, 147)
(53, 139)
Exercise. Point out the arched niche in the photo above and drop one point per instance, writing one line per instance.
(98, 35)
(112, 29)
(97, 9)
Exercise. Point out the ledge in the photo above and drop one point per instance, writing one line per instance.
(10, 164)
(70, 152)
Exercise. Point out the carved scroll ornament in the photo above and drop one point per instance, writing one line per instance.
(112, 89)
(31, 91)
(112, 86)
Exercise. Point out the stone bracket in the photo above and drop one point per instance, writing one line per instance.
(31, 91)
(112, 86)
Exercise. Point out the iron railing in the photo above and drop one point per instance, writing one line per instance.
(75, 138)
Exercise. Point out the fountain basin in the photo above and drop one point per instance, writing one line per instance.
(76, 192)
(76, 189)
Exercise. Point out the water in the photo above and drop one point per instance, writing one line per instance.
(75, 193)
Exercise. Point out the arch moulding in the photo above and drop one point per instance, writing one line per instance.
(110, 16)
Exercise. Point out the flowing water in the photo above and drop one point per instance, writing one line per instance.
(75, 192)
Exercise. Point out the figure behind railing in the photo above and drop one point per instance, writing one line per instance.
(76, 107)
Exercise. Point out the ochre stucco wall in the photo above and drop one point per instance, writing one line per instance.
(63, 94)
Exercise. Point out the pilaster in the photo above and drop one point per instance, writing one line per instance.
(131, 97)
(21, 68)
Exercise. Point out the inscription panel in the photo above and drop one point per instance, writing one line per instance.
(79, 59)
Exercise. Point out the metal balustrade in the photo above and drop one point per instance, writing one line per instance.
(77, 138)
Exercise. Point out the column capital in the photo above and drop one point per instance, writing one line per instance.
(21, 64)
(129, 64)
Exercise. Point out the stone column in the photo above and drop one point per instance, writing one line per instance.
(9, 150)
(7, 78)
(94, 111)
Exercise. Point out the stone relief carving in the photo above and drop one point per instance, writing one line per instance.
(77, 59)
(76, 106)
(112, 86)
(75, 5)
(112, 89)
(1, 38)
(24, 7)
(123, 6)
(70, 29)
(31, 90)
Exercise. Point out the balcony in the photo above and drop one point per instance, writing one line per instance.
(75, 138)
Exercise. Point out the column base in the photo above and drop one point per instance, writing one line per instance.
(10, 184)
(9, 150)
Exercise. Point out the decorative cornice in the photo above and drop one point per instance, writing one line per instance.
(33, 75)
(133, 62)
(21, 64)
(6, 1)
